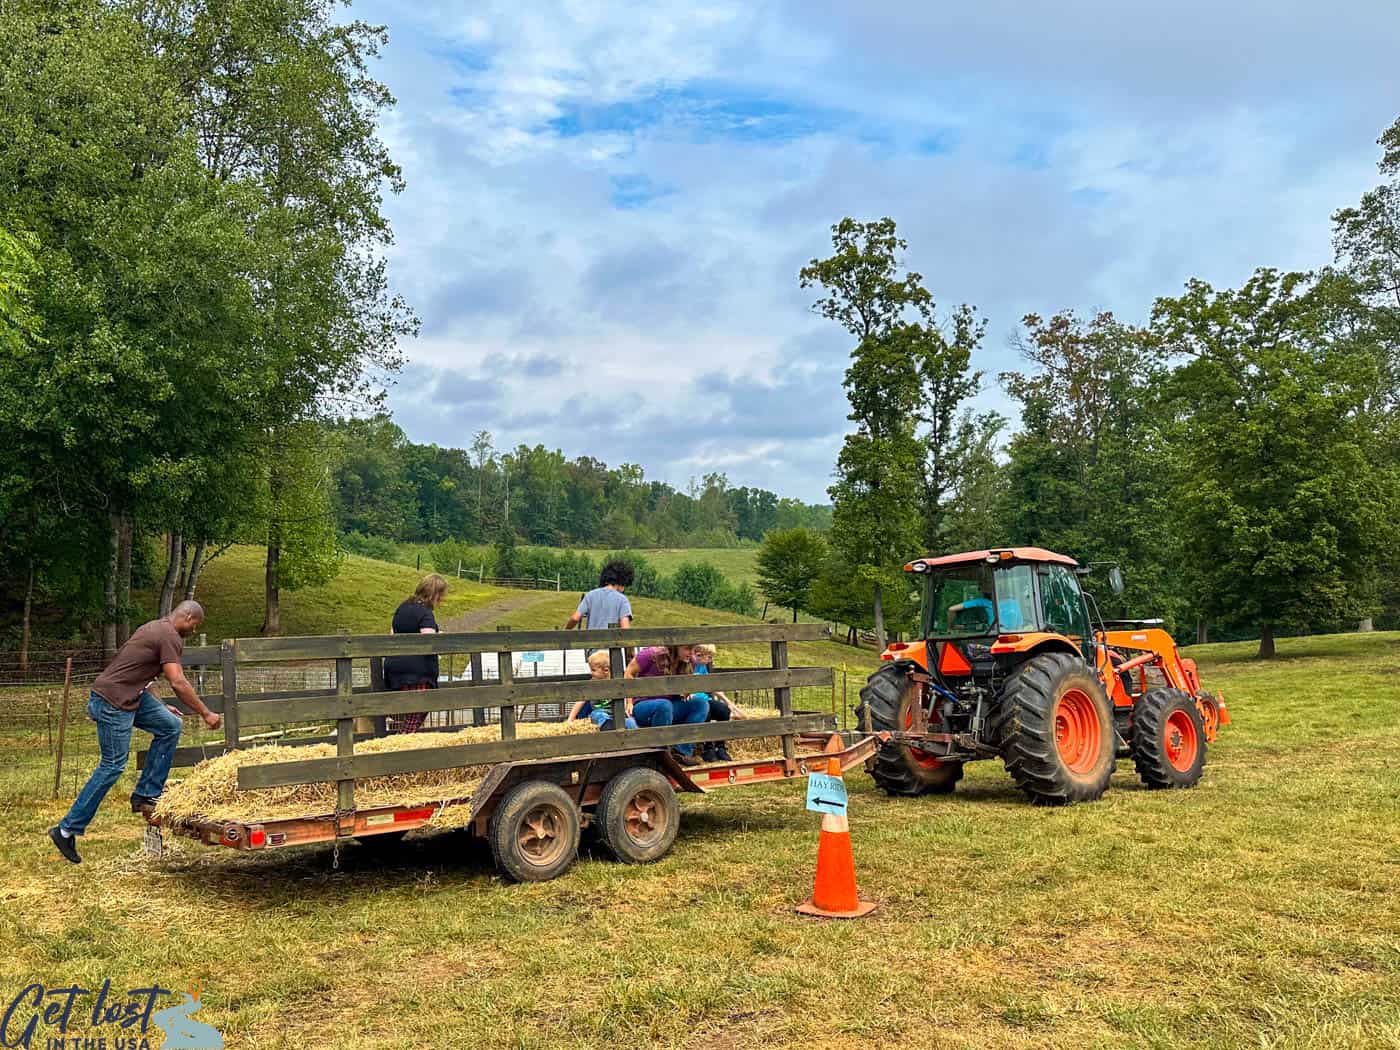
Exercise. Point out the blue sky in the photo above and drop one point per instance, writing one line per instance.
(608, 204)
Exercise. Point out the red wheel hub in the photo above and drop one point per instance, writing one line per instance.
(921, 757)
(1180, 741)
(1078, 734)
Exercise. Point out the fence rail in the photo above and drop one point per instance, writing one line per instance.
(350, 708)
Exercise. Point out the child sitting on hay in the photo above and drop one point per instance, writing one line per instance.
(599, 712)
(722, 709)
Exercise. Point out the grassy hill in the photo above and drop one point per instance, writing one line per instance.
(362, 598)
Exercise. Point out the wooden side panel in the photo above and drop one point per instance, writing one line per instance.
(390, 763)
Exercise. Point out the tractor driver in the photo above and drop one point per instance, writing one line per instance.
(1008, 609)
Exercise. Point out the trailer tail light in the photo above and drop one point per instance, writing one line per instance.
(257, 838)
(951, 661)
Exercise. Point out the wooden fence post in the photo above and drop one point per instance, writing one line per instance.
(617, 665)
(379, 723)
(507, 676)
(228, 673)
(344, 744)
(478, 713)
(782, 696)
(62, 724)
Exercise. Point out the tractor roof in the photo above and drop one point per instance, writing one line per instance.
(994, 554)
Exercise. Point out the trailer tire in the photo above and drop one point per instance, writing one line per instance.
(897, 768)
(1055, 729)
(638, 816)
(1169, 739)
(534, 832)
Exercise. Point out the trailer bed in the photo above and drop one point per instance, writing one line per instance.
(583, 775)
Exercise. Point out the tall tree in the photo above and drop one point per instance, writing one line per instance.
(1279, 498)
(905, 383)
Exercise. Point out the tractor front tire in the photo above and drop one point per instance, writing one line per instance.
(887, 703)
(1169, 739)
(1055, 729)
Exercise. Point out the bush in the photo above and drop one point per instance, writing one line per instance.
(376, 547)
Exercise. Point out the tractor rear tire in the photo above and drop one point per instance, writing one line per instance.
(887, 701)
(1169, 739)
(1055, 729)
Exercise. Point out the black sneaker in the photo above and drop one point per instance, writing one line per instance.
(68, 846)
(722, 754)
(142, 803)
(684, 759)
(709, 753)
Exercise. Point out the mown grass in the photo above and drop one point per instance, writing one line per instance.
(361, 598)
(1260, 909)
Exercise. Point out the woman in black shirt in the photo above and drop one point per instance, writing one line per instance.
(415, 616)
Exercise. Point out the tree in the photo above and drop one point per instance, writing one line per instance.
(975, 508)
(1279, 496)
(905, 383)
(299, 518)
(1089, 473)
(789, 562)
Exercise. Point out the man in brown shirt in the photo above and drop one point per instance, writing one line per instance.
(121, 700)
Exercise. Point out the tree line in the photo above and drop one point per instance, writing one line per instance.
(1236, 454)
(391, 488)
(192, 283)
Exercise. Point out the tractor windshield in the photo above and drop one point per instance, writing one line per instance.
(959, 602)
(978, 599)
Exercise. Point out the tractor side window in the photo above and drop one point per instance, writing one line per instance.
(1064, 606)
(959, 603)
(1016, 598)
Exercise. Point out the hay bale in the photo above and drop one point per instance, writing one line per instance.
(749, 749)
(210, 791)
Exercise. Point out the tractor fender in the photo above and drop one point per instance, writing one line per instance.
(912, 652)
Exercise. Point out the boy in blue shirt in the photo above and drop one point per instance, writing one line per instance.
(722, 709)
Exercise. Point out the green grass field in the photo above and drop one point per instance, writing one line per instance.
(1259, 910)
(361, 598)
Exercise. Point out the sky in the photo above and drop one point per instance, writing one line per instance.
(607, 204)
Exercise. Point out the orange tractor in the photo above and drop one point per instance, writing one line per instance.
(1015, 663)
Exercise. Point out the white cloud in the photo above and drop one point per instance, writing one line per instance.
(630, 190)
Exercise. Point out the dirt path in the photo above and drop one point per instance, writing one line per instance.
(485, 615)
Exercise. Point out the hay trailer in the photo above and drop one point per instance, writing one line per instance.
(538, 793)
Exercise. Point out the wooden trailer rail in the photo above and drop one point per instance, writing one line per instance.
(345, 704)
(850, 750)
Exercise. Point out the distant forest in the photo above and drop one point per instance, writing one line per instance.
(388, 486)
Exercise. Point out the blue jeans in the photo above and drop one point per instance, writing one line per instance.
(602, 718)
(114, 739)
(662, 711)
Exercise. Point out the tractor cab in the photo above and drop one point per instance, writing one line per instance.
(1001, 601)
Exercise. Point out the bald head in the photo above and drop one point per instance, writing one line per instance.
(186, 617)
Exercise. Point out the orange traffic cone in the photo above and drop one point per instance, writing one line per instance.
(834, 895)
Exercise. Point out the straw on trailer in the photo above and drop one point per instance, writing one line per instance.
(210, 790)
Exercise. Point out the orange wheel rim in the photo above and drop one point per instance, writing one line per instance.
(1078, 735)
(1180, 741)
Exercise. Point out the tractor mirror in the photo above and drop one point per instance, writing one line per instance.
(1115, 580)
